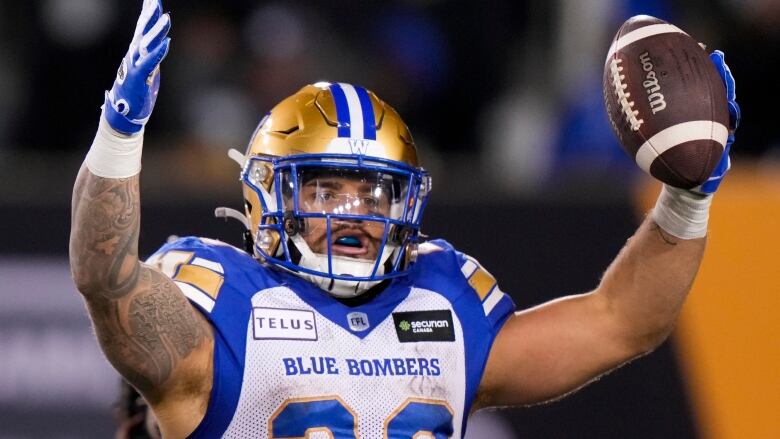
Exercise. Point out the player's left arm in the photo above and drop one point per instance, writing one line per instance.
(555, 348)
(550, 350)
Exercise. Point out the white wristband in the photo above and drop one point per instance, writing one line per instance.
(115, 155)
(682, 213)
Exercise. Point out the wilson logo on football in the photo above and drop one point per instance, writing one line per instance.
(653, 89)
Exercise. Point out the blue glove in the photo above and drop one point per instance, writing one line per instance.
(130, 101)
(711, 185)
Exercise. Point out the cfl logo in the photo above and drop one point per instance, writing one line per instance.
(358, 321)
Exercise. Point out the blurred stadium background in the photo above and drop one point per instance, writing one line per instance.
(504, 99)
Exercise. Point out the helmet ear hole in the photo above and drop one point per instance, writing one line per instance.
(247, 206)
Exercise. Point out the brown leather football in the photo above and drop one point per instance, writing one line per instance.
(666, 101)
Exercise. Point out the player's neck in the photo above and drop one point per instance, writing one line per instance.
(365, 297)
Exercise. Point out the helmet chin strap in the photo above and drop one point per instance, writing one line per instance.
(342, 265)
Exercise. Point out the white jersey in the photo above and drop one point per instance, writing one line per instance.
(291, 361)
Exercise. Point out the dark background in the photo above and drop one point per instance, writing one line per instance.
(503, 98)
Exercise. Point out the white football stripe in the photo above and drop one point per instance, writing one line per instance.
(674, 135)
(204, 300)
(492, 300)
(355, 111)
(641, 33)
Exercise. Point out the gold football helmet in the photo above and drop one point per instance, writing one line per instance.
(335, 161)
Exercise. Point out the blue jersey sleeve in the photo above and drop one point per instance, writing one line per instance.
(478, 287)
(198, 266)
(496, 305)
(479, 303)
(203, 268)
(219, 280)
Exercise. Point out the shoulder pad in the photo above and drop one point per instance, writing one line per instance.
(480, 279)
(427, 248)
(197, 266)
(495, 303)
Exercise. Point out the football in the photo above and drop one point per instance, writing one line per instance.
(665, 101)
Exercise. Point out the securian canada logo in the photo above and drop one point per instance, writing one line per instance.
(423, 325)
(418, 326)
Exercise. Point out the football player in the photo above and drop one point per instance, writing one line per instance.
(337, 320)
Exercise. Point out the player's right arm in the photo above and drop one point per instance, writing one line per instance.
(145, 326)
(555, 348)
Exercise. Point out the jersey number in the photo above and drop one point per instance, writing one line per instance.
(331, 418)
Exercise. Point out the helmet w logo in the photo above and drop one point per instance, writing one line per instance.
(358, 146)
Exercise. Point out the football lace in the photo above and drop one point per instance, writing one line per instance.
(623, 95)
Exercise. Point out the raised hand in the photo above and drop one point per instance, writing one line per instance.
(711, 185)
(130, 101)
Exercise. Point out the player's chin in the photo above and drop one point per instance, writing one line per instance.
(361, 254)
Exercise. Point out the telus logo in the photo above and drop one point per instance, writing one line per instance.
(283, 324)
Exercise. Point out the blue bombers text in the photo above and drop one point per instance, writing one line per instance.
(362, 367)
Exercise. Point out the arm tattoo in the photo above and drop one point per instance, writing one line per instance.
(104, 234)
(145, 326)
(146, 336)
